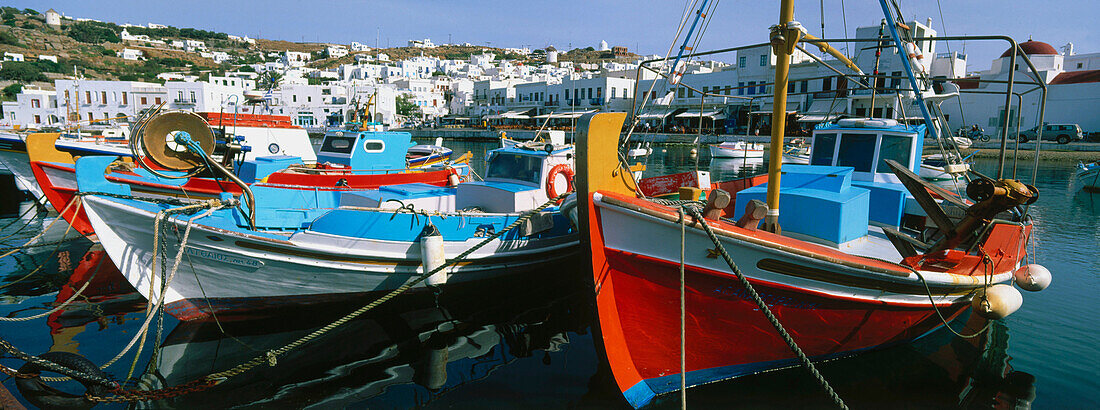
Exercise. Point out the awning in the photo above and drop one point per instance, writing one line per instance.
(818, 117)
(766, 108)
(511, 115)
(827, 106)
(712, 114)
(656, 114)
(565, 115)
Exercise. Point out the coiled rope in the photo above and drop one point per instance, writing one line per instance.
(764, 308)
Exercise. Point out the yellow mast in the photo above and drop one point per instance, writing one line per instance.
(783, 41)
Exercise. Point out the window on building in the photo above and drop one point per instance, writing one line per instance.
(612, 93)
(35, 103)
(102, 97)
(37, 119)
(294, 98)
(752, 87)
(567, 94)
(763, 88)
(589, 93)
(741, 62)
(680, 92)
(741, 88)
(87, 97)
(157, 100)
(1080, 65)
(144, 101)
(124, 99)
(763, 60)
(691, 93)
(705, 88)
(309, 98)
(896, 81)
(179, 95)
(599, 92)
(827, 84)
(90, 117)
(193, 99)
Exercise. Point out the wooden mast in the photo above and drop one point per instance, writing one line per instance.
(783, 41)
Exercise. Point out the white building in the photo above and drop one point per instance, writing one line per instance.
(603, 46)
(13, 56)
(295, 59)
(357, 46)
(44, 57)
(1072, 98)
(336, 51)
(53, 18)
(425, 43)
(32, 108)
(93, 100)
(130, 54)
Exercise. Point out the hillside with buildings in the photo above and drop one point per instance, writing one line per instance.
(58, 70)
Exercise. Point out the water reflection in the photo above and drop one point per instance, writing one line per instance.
(408, 352)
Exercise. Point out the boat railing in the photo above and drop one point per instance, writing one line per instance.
(855, 84)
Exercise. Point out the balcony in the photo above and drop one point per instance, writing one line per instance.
(550, 103)
(179, 101)
(595, 101)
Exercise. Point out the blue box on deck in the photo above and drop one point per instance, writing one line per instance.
(887, 201)
(257, 168)
(817, 201)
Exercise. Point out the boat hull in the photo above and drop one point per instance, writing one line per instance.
(722, 152)
(829, 304)
(1088, 178)
(228, 272)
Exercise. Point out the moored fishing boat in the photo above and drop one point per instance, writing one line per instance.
(933, 167)
(737, 149)
(313, 246)
(865, 254)
(1088, 176)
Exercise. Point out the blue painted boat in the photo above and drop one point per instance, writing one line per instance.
(315, 246)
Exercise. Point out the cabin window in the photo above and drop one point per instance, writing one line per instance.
(514, 166)
(341, 145)
(895, 147)
(857, 151)
(824, 145)
(374, 146)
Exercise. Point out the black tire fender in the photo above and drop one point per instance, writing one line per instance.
(40, 394)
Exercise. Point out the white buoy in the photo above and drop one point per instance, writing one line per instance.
(432, 256)
(1032, 277)
(997, 302)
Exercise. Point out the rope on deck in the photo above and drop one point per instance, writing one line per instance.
(764, 308)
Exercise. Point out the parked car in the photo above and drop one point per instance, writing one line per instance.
(1063, 133)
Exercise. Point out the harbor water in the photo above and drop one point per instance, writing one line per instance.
(532, 342)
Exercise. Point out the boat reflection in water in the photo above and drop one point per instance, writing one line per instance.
(407, 352)
(725, 169)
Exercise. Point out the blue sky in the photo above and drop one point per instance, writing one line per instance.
(643, 25)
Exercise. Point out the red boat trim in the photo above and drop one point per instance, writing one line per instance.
(807, 272)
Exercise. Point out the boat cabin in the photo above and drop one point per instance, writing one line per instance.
(865, 145)
(515, 181)
(368, 152)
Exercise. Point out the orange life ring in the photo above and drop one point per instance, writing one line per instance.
(566, 171)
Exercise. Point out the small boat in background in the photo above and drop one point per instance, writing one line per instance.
(933, 167)
(797, 152)
(737, 149)
(1088, 176)
(639, 151)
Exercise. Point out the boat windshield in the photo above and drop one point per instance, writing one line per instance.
(514, 166)
(895, 147)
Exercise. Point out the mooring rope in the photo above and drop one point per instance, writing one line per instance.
(765, 309)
